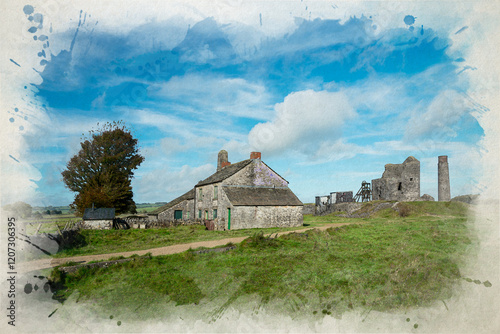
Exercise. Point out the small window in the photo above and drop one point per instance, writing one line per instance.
(200, 194)
(216, 192)
(400, 186)
(178, 214)
(187, 215)
(206, 214)
(215, 213)
(411, 179)
(199, 214)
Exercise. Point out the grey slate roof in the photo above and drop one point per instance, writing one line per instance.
(252, 196)
(186, 196)
(99, 214)
(225, 172)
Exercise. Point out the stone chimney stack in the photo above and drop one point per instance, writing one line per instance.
(222, 160)
(443, 179)
(255, 155)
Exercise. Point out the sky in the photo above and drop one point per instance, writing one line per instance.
(328, 91)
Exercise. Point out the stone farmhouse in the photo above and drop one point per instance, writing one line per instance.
(247, 194)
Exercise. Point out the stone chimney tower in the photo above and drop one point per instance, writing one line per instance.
(222, 160)
(443, 179)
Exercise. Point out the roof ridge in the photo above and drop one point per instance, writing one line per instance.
(225, 172)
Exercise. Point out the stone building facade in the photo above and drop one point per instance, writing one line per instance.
(399, 182)
(247, 194)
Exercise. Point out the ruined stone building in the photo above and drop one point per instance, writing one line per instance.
(247, 194)
(399, 182)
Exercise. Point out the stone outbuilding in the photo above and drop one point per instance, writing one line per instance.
(181, 208)
(101, 218)
(247, 194)
(399, 182)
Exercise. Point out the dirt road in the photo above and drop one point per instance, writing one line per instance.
(51, 262)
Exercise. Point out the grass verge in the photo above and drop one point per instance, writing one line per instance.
(390, 263)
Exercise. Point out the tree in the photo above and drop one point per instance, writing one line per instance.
(102, 171)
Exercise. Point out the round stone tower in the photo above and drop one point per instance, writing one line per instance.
(222, 160)
(443, 179)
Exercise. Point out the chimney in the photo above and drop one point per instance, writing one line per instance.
(443, 179)
(222, 160)
(255, 155)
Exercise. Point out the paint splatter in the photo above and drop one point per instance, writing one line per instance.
(21, 128)
(32, 30)
(28, 288)
(461, 30)
(409, 20)
(53, 312)
(12, 119)
(38, 18)
(15, 62)
(28, 9)
(119, 323)
(422, 30)
(16, 109)
(14, 158)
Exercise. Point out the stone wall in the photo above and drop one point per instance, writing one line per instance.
(348, 207)
(257, 174)
(98, 224)
(208, 201)
(266, 216)
(308, 209)
(399, 182)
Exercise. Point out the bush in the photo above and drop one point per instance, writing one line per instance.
(404, 209)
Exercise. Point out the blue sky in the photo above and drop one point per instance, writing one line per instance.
(328, 93)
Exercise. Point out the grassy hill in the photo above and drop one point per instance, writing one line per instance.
(384, 262)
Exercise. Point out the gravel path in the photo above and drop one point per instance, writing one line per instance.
(51, 262)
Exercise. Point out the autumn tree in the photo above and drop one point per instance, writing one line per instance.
(102, 171)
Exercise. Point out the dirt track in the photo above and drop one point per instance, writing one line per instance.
(51, 262)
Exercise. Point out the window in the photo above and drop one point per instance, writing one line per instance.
(199, 214)
(187, 215)
(399, 186)
(215, 213)
(411, 179)
(200, 194)
(206, 214)
(178, 214)
(216, 192)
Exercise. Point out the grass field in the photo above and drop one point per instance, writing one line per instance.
(114, 241)
(390, 262)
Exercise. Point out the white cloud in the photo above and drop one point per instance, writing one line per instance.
(302, 122)
(232, 96)
(165, 184)
(438, 120)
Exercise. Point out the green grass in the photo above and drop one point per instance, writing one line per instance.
(115, 241)
(390, 263)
